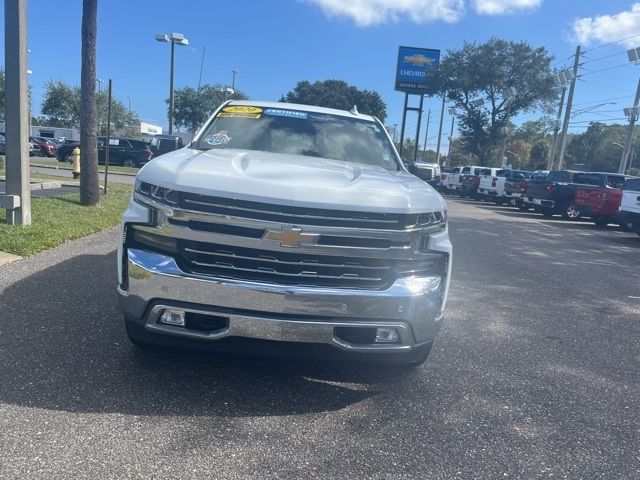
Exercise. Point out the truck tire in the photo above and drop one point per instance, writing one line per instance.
(600, 221)
(547, 212)
(523, 207)
(129, 162)
(498, 201)
(570, 213)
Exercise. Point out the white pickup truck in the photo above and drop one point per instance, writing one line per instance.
(284, 226)
(493, 183)
(629, 211)
(487, 186)
(446, 177)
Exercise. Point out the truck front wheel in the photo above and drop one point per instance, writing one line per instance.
(601, 221)
(570, 213)
(547, 212)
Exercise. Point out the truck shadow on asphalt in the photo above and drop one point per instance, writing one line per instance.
(63, 347)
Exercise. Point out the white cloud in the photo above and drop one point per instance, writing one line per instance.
(503, 7)
(374, 12)
(608, 28)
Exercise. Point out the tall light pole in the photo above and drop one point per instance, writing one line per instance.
(129, 105)
(233, 81)
(508, 94)
(631, 113)
(452, 112)
(174, 39)
(567, 113)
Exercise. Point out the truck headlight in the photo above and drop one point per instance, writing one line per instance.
(157, 193)
(435, 221)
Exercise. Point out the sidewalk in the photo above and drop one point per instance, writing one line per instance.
(8, 258)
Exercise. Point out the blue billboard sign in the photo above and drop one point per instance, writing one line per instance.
(414, 68)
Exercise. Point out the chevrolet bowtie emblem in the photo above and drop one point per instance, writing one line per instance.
(291, 237)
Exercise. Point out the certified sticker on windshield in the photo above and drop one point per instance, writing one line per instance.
(277, 112)
(241, 111)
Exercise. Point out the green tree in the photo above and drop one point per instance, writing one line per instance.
(61, 104)
(192, 107)
(484, 72)
(337, 94)
(61, 108)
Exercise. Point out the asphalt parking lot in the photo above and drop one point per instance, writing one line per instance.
(535, 374)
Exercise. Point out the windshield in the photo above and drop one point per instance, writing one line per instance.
(295, 132)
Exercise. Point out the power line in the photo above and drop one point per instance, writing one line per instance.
(612, 43)
(602, 58)
(601, 100)
(604, 85)
(605, 69)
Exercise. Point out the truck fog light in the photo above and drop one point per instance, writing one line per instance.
(173, 317)
(386, 335)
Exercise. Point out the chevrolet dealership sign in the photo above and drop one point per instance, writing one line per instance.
(414, 68)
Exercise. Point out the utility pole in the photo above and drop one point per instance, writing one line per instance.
(404, 121)
(17, 200)
(171, 102)
(567, 113)
(395, 128)
(452, 111)
(632, 121)
(444, 98)
(201, 67)
(556, 129)
(426, 135)
(107, 146)
(417, 141)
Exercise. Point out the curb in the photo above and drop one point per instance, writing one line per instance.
(69, 169)
(6, 258)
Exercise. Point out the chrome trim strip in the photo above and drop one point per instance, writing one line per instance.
(268, 328)
(184, 215)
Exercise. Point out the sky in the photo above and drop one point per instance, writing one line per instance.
(275, 43)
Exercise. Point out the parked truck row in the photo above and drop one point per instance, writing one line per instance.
(606, 198)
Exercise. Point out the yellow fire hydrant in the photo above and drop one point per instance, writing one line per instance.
(75, 156)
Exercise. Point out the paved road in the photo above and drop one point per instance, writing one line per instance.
(535, 375)
(113, 177)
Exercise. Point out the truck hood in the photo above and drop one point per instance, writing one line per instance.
(291, 180)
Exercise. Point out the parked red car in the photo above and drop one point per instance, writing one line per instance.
(47, 148)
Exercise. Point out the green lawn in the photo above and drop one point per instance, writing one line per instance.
(58, 220)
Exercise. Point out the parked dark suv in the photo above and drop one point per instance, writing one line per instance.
(161, 144)
(127, 152)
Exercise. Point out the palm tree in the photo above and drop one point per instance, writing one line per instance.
(89, 186)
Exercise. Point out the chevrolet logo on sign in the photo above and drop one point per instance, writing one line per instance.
(291, 237)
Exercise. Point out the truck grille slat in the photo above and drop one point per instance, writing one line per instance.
(294, 215)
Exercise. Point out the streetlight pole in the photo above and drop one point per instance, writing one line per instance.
(444, 99)
(508, 95)
(452, 112)
(567, 112)
(173, 39)
(426, 136)
(129, 105)
(233, 81)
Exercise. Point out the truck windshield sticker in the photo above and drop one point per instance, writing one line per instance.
(276, 112)
(241, 111)
(220, 138)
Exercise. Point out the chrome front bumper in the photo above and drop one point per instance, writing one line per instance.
(154, 282)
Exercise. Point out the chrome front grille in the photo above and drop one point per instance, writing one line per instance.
(300, 269)
(294, 215)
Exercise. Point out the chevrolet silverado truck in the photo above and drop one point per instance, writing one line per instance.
(629, 210)
(283, 226)
(554, 194)
(493, 183)
(599, 196)
(429, 172)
